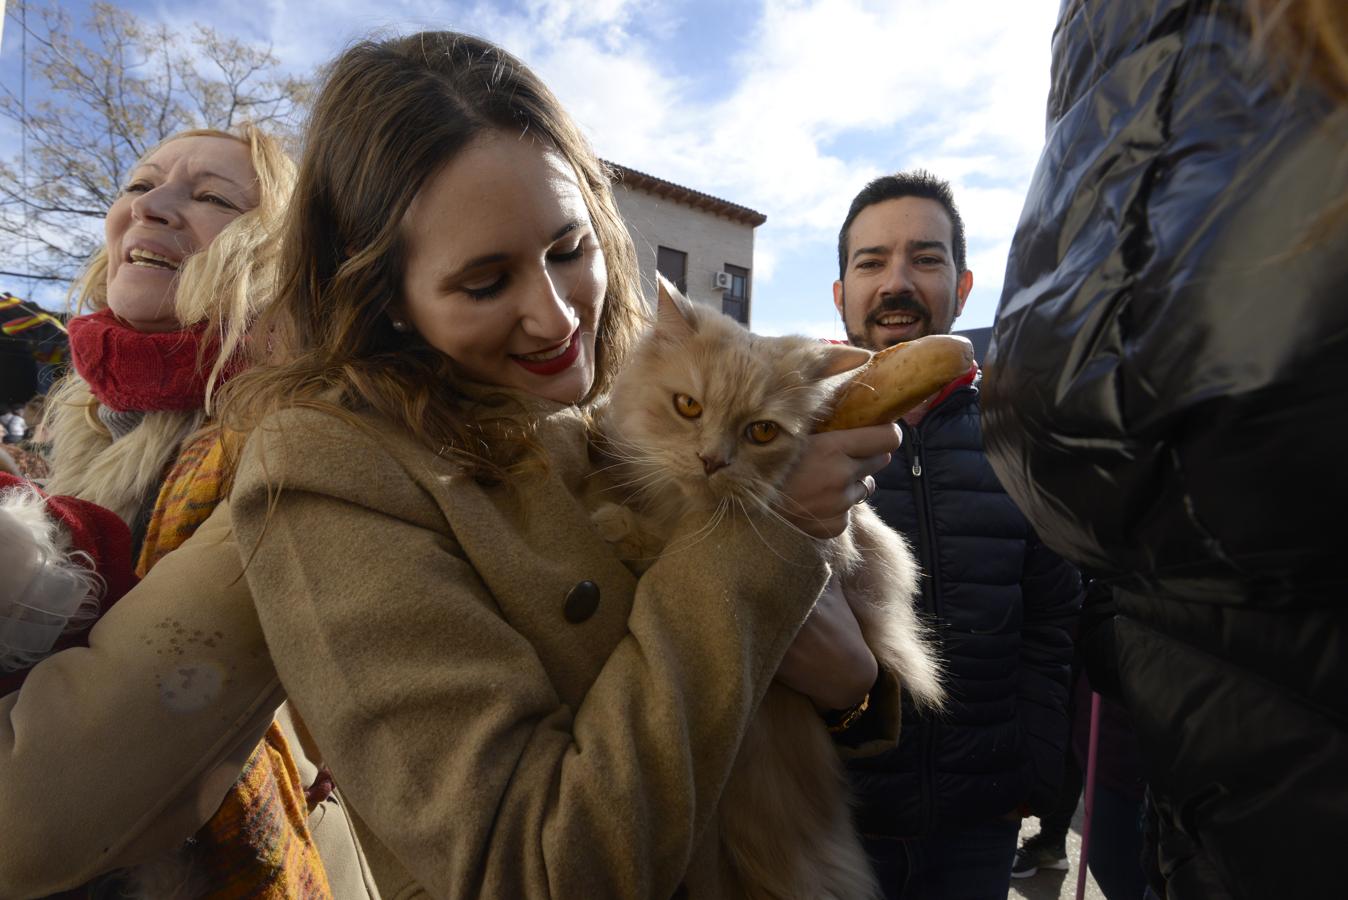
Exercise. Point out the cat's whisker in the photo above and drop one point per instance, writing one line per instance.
(630, 454)
(690, 541)
(764, 541)
(599, 470)
(635, 496)
(767, 508)
(623, 451)
(792, 506)
(653, 476)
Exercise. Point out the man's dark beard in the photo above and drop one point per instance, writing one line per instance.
(900, 303)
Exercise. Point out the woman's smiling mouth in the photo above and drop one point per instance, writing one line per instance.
(553, 360)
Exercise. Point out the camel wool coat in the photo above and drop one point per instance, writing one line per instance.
(508, 710)
(112, 755)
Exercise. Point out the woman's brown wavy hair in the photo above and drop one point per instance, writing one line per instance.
(390, 115)
(1311, 36)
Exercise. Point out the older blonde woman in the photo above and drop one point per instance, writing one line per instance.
(115, 754)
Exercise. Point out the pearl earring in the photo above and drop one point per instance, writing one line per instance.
(399, 325)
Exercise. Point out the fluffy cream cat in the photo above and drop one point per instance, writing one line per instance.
(708, 418)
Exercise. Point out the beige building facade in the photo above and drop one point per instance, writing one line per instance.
(702, 243)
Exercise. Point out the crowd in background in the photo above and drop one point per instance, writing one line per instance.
(301, 601)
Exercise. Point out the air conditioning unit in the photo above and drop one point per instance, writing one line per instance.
(720, 281)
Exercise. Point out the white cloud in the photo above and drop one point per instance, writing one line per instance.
(765, 259)
(821, 96)
(830, 94)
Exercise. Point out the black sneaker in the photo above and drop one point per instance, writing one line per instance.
(1039, 852)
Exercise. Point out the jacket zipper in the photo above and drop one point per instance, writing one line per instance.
(926, 534)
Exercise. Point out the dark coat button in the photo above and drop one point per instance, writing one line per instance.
(581, 602)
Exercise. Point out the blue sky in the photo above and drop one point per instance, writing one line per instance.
(785, 106)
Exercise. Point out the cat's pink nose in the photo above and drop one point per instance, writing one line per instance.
(712, 463)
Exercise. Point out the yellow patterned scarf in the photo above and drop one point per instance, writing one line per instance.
(257, 845)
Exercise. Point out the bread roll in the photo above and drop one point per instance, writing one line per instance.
(898, 378)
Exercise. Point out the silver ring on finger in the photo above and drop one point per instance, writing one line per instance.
(867, 488)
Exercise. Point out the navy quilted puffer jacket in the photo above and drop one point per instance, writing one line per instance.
(1004, 606)
(1165, 399)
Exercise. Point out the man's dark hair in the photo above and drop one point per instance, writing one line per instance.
(917, 183)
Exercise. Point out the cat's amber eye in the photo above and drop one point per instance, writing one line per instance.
(762, 432)
(687, 406)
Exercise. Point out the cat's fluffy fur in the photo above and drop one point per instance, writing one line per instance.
(784, 816)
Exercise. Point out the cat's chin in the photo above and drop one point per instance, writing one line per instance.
(695, 493)
(699, 494)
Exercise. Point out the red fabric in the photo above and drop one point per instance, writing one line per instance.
(915, 415)
(966, 379)
(98, 532)
(135, 370)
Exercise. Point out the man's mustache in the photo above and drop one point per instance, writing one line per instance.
(898, 303)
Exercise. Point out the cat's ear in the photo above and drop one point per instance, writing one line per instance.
(835, 359)
(673, 317)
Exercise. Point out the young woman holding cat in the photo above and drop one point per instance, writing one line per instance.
(510, 711)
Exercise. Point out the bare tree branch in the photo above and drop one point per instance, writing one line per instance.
(107, 93)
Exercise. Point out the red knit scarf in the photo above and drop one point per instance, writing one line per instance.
(142, 371)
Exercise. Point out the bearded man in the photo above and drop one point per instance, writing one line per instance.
(940, 813)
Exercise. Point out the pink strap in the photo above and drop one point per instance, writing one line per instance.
(1092, 744)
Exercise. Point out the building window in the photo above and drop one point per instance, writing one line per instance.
(735, 301)
(673, 264)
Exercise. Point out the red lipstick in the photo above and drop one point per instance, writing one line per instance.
(558, 363)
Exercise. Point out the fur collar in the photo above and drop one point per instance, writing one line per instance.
(87, 463)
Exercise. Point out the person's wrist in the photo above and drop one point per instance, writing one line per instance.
(840, 697)
(844, 702)
(839, 720)
(858, 687)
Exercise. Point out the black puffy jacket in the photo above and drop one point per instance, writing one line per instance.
(1003, 604)
(1166, 400)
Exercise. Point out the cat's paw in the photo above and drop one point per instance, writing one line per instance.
(614, 523)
